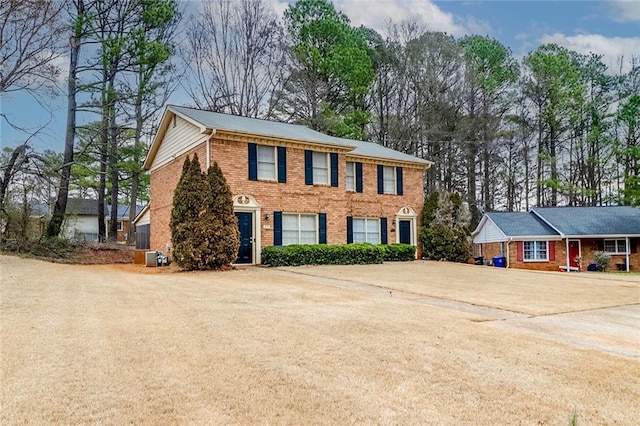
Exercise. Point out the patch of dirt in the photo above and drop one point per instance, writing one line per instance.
(102, 254)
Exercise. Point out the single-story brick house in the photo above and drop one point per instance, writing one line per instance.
(551, 238)
(290, 184)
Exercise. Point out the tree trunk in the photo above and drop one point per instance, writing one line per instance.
(53, 229)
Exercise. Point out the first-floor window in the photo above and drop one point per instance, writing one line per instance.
(366, 230)
(615, 246)
(299, 229)
(120, 225)
(536, 250)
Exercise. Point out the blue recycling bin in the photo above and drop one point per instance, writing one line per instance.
(500, 262)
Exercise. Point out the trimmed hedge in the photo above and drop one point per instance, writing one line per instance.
(345, 254)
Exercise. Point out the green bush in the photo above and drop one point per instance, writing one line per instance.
(345, 254)
(603, 260)
(399, 252)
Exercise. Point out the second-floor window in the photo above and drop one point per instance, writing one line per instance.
(351, 176)
(354, 176)
(266, 162)
(320, 168)
(390, 180)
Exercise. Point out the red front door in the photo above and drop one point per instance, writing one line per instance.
(574, 253)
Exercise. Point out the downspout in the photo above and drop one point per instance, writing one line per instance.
(208, 148)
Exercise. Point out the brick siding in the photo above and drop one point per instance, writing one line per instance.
(293, 196)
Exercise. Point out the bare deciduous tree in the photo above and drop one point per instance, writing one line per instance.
(233, 57)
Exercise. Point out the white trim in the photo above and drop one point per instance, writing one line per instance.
(407, 213)
(247, 204)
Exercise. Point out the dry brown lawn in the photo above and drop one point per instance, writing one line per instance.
(312, 345)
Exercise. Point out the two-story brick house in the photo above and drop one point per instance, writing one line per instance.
(290, 184)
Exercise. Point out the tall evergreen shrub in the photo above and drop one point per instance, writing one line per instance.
(204, 230)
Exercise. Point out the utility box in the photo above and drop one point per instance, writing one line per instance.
(151, 258)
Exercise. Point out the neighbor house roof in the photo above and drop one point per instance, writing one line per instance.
(517, 224)
(592, 221)
(559, 222)
(214, 122)
(83, 207)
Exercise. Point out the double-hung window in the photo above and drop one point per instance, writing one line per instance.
(615, 246)
(536, 251)
(320, 168)
(388, 180)
(366, 230)
(266, 162)
(299, 229)
(351, 176)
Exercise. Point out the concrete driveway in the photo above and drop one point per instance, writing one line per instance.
(587, 310)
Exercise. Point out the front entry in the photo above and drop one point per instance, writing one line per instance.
(574, 253)
(405, 232)
(245, 225)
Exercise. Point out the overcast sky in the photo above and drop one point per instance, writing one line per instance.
(611, 28)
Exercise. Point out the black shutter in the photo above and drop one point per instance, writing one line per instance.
(383, 230)
(633, 242)
(277, 228)
(334, 169)
(282, 164)
(308, 167)
(322, 228)
(399, 180)
(253, 161)
(349, 229)
(358, 177)
(380, 179)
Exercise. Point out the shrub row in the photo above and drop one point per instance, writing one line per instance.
(345, 254)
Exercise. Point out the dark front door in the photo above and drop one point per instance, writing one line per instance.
(245, 253)
(405, 232)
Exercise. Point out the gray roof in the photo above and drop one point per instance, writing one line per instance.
(592, 221)
(521, 224)
(83, 207)
(289, 131)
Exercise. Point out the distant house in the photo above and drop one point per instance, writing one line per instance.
(290, 184)
(554, 238)
(81, 220)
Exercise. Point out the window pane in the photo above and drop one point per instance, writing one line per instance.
(610, 246)
(350, 176)
(389, 180)
(308, 223)
(320, 169)
(359, 234)
(528, 250)
(622, 246)
(541, 253)
(266, 162)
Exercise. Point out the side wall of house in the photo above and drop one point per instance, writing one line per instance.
(290, 197)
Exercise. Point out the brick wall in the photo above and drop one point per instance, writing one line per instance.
(293, 196)
(588, 247)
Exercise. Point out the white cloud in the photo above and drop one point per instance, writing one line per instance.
(613, 48)
(626, 10)
(376, 14)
